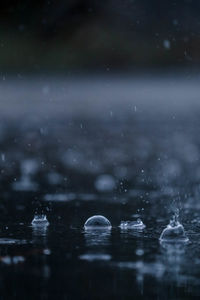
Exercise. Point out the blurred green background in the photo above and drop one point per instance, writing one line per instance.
(99, 35)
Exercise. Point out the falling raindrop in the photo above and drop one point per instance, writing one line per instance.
(97, 222)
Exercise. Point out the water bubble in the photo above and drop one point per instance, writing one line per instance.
(105, 183)
(97, 222)
(138, 224)
(40, 220)
(174, 232)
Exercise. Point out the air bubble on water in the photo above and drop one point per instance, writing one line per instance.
(97, 222)
(174, 232)
(40, 220)
(138, 224)
(105, 183)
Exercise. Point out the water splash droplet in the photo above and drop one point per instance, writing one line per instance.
(97, 222)
(138, 224)
(174, 232)
(40, 220)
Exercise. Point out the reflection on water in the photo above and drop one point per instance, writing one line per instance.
(98, 237)
(39, 234)
(97, 245)
(173, 256)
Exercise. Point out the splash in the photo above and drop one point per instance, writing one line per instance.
(138, 224)
(174, 232)
(40, 220)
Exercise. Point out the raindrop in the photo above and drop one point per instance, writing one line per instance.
(174, 232)
(40, 220)
(138, 224)
(97, 222)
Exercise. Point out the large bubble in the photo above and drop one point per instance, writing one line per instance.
(97, 222)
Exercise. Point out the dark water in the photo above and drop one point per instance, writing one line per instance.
(122, 164)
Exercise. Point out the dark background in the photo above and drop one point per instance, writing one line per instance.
(106, 35)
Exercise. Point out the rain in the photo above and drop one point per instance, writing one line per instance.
(99, 149)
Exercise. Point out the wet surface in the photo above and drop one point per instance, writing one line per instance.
(123, 165)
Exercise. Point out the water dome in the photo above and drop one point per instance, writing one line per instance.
(97, 222)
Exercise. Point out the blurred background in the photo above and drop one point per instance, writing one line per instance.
(111, 35)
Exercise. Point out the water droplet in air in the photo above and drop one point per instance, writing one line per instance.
(97, 222)
(174, 232)
(40, 220)
(138, 224)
